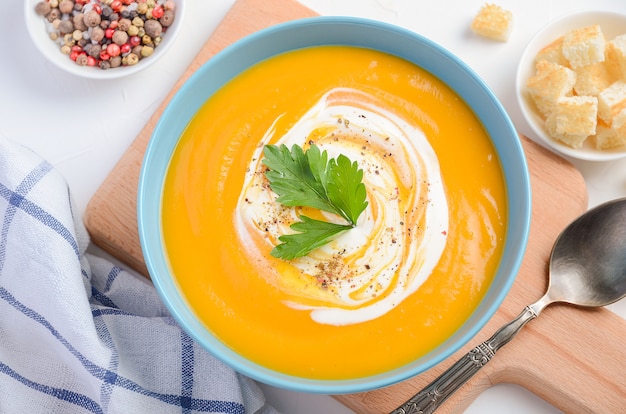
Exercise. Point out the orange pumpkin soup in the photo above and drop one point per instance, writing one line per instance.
(387, 291)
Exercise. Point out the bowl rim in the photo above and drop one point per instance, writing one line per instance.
(548, 32)
(328, 30)
(37, 32)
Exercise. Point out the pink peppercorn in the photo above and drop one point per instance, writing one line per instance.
(116, 5)
(108, 33)
(157, 11)
(125, 48)
(91, 61)
(74, 55)
(134, 40)
(104, 55)
(113, 49)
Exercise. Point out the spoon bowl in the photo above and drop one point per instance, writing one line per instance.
(587, 268)
(588, 264)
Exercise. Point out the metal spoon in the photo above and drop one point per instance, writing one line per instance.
(587, 268)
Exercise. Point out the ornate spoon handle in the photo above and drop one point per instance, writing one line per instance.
(435, 393)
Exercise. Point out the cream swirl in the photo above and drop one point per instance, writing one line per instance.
(366, 271)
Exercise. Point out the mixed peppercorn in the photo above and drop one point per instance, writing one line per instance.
(107, 33)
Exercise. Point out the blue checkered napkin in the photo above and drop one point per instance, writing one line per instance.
(80, 335)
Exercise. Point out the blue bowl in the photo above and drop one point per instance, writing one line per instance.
(332, 31)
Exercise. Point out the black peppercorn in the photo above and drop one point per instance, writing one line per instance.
(106, 11)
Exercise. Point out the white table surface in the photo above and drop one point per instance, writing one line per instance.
(84, 126)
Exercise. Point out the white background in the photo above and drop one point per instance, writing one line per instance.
(84, 126)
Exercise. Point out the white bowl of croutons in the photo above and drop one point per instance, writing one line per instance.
(571, 85)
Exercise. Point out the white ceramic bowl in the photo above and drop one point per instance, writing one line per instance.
(38, 32)
(612, 24)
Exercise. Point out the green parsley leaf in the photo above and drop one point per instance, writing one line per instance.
(310, 179)
(294, 180)
(346, 189)
(312, 234)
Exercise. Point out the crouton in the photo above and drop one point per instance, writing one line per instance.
(574, 119)
(592, 79)
(550, 82)
(608, 137)
(553, 53)
(615, 55)
(584, 46)
(619, 126)
(493, 22)
(611, 101)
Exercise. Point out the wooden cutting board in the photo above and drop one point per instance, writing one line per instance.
(571, 357)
